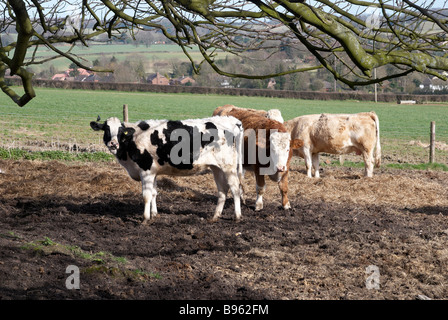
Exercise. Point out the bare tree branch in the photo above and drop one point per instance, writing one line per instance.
(345, 37)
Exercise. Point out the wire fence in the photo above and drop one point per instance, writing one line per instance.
(69, 130)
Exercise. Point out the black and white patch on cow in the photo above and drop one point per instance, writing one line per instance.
(179, 148)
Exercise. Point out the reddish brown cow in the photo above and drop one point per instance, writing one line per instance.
(273, 114)
(267, 151)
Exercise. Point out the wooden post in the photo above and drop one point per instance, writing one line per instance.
(125, 113)
(432, 140)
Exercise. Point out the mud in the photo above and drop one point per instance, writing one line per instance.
(54, 215)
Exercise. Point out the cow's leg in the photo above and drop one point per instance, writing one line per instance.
(242, 195)
(148, 191)
(223, 188)
(234, 184)
(368, 161)
(308, 162)
(260, 187)
(315, 159)
(153, 199)
(283, 186)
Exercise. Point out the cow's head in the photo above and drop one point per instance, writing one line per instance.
(115, 133)
(281, 146)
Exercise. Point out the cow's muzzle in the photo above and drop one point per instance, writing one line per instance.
(281, 168)
(113, 146)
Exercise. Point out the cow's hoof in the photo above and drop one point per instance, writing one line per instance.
(149, 221)
(287, 206)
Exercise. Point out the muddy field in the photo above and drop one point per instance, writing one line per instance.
(54, 215)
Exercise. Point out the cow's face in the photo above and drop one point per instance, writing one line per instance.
(280, 143)
(113, 129)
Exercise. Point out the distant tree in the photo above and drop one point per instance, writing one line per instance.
(47, 73)
(181, 68)
(144, 37)
(124, 72)
(139, 70)
(74, 72)
(317, 85)
(348, 38)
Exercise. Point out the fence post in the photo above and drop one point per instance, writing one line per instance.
(432, 139)
(125, 113)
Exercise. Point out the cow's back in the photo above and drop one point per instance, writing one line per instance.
(253, 120)
(334, 133)
(230, 110)
(161, 142)
(301, 126)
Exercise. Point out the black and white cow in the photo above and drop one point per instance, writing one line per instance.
(147, 149)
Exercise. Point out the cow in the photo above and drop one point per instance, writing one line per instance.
(337, 134)
(273, 114)
(267, 151)
(178, 148)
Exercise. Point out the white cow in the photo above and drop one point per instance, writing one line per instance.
(337, 134)
(178, 148)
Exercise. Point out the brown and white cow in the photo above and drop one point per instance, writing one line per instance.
(163, 147)
(267, 151)
(273, 114)
(337, 134)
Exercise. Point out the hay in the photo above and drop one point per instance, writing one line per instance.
(395, 188)
(39, 179)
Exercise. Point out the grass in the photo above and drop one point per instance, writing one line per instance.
(55, 109)
(62, 117)
(18, 154)
(103, 262)
(122, 52)
(420, 166)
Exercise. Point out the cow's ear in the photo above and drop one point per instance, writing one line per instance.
(296, 143)
(127, 134)
(96, 126)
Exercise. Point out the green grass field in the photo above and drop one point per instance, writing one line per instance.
(122, 52)
(59, 116)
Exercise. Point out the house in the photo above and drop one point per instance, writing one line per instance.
(434, 84)
(328, 86)
(92, 78)
(184, 80)
(157, 78)
(59, 77)
(81, 75)
(226, 84)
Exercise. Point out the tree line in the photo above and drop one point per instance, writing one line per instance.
(134, 69)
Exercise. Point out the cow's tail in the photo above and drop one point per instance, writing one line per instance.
(377, 154)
